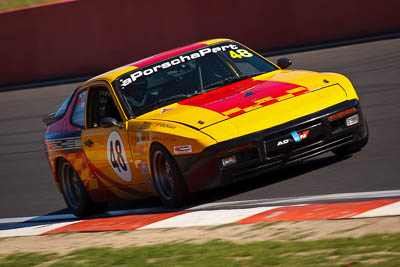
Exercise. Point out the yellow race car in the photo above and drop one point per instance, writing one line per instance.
(197, 117)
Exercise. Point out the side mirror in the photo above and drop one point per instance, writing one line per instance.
(284, 62)
(108, 122)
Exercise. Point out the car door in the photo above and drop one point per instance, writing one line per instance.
(107, 149)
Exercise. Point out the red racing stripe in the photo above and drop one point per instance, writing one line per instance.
(114, 183)
(244, 96)
(165, 55)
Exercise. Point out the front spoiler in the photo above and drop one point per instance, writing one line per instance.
(257, 152)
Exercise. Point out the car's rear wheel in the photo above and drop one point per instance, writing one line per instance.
(74, 192)
(167, 178)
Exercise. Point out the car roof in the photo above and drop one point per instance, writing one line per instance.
(113, 74)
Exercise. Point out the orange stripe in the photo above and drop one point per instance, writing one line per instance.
(131, 222)
(317, 211)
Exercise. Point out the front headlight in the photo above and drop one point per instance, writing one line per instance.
(352, 120)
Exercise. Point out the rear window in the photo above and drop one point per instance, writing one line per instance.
(64, 106)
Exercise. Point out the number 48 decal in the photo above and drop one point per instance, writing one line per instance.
(117, 156)
(117, 161)
(240, 53)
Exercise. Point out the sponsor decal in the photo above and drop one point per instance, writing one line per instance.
(165, 110)
(181, 59)
(140, 139)
(142, 166)
(163, 125)
(82, 98)
(146, 125)
(117, 156)
(283, 142)
(182, 149)
(64, 144)
(297, 137)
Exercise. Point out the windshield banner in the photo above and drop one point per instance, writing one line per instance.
(176, 61)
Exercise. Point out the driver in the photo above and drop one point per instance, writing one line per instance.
(137, 93)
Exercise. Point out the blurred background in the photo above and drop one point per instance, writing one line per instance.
(6, 5)
(61, 39)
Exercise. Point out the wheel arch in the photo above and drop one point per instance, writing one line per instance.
(149, 159)
(155, 143)
(57, 165)
(179, 193)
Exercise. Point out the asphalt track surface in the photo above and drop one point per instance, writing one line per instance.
(27, 187)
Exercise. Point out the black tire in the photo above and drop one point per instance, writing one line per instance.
(167, 178)
(355, 147)
(74, 192)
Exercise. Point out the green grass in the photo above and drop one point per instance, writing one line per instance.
(14, 4)
(26, 259)
(372, 250)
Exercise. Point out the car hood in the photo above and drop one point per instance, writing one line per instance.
(265, 97)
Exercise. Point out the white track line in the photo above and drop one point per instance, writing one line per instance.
(388, 210)
(206, 218)
(272, 201)
(221, 205)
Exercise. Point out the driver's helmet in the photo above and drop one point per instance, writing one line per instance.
(137, 89)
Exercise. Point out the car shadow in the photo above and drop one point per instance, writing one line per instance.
(273, 177)
(153, 205)
(218, 194)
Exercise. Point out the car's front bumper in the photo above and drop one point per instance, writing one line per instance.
(259, 152)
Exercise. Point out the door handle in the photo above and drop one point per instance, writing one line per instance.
(88, 143)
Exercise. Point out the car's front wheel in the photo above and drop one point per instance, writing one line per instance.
(74, 192)
(167, 178)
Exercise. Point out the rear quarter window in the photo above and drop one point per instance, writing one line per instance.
(78, 114)
(64, 106)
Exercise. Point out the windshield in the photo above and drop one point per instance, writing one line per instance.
(189, 74)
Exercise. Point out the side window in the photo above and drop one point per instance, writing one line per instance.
(101, 105)
(78, 114)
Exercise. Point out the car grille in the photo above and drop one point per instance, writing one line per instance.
(317, 141)
(275, 145)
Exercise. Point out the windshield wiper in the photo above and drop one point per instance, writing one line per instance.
(230, 80)
(175, 97)
(168, 99)
(226, 81)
